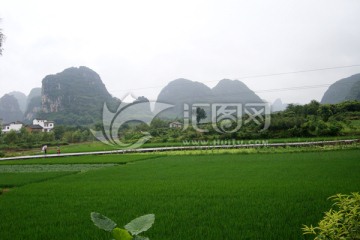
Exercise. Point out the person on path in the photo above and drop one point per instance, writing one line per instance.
(44, 149)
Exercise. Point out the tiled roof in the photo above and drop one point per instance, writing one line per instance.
(35, 127)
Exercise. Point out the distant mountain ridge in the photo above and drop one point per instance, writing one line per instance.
(183, 91)
(21, 98)
(33, 104)
(278, 105)
(342, 90)
(233, 91)
(10, 109)
(76, 96)
(35, 92)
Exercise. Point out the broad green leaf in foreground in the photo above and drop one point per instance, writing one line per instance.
(102, 221)
(121, 234)
(140, 224)
(137, 237)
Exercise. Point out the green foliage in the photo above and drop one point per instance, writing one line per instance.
(313, 119)
(135, 227)
(59, 131)
(121, 234)
(343, 222)
(326, 111)
(348, 106)
(59, 136)
(11, 137)
(157, 123)
(309, 120)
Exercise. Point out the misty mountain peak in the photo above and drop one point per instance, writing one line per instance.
(342, 90)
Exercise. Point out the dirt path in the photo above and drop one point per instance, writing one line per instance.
(162, 149)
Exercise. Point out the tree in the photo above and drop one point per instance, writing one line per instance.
(325, 112)
(76, 136)
(293, 109)
(59, 131)
(11, 137)
(312, 107)
(200, 114)
(141, 99)
(158, 123)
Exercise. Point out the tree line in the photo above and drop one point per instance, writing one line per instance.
(309, 120)
(60, 135)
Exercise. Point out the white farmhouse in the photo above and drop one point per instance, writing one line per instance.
(175, 125)
(16, 126)
(45, 124)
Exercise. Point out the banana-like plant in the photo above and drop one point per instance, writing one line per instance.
(130, 231)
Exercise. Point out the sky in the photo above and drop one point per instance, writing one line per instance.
(139, 46)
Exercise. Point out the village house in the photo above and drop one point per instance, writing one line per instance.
(47, 126)
(37, 126)
(175, 125)
(34, 128)
(15, 126)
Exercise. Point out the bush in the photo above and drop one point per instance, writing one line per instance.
(342, 223)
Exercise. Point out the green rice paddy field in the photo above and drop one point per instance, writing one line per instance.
(222, 196)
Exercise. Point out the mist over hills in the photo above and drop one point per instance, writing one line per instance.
(76, 96)
(234, 91)
(21, 98)
(35, 92)
(10, 109)
(278, 105)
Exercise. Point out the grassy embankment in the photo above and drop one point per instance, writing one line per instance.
(99, 146)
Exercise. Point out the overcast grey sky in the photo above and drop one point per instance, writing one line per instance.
(141, 45)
